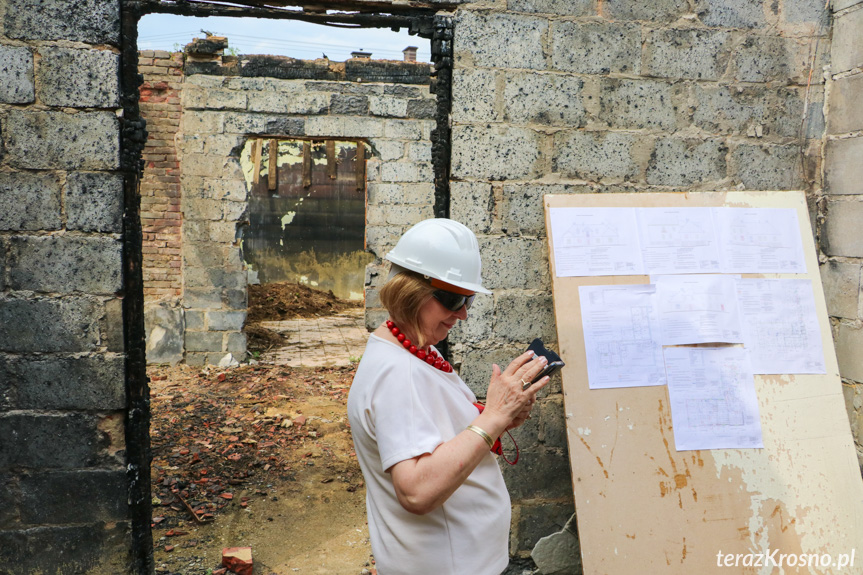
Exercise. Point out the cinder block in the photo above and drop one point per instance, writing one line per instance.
(841, 283)
(846, 50)
(94, 202)
(420, 151)
(846, 113)
(16, 75)
(404, 129)
(79, 78)
(569, 8)
(388, 106)
(472, 203)
(522, 316)
(400, 172)
(849, 342)
(500, 40)
(478, 326)
(552, 419)
(226, 320)
(88, 383)
(473, 95)
(639, 104)
(539, 520)
(164, 326)
(678, 161)
(775, 58)
(544, 99)
(48, 324)
(46, 497)
(65, 264)
(111, 325)
(400, 215)
(212, 256)
(844, 171)
(495, 40)
(495, 152)
(386, 194)
(841, 232)
(56, 140)
(514, 263)
(657, 11)
(194, 320)
(235, 343)
(423, 109)
(696, 54)
(50, 441)
(477, 363)
(204, 122)
(240, 123)
(523, 211)
(81, 547)
(767, 167)
(348, 105)
(596, 47)
(201, 209)
(346, 126)
(595, 155)
(546, 475)
(91, 21)
(389, 150)
(29, 201)
(732, 13)
(203, 341)
(805, 11)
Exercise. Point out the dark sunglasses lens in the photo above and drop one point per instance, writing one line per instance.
(453, 301)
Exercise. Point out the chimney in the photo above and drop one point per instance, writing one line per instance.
(360, 54)
(410, 54)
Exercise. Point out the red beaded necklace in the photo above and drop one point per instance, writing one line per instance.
(431, 357)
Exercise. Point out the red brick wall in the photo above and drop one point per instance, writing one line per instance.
(161, 219)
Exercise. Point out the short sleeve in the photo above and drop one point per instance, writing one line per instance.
(404, 427)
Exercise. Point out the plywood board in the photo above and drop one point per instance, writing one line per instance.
(643, 507)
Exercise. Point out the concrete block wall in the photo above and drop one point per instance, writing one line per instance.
(63, 483)
(841, 207)
(626, 96)
(220, 114)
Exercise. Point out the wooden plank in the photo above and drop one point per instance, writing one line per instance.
(643, 507)
(331, 159)
(307, 164)
(273, 167)
(360, 166)
(257, 151)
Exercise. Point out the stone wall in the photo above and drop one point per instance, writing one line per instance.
(842, 205)
(63, 482)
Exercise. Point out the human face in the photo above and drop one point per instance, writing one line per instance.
(436, 320)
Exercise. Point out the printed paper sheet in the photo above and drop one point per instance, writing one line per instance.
(712, 395)
(620, 336)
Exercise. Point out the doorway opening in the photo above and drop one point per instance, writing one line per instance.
(248, 433)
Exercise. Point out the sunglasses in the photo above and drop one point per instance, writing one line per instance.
(453, 301)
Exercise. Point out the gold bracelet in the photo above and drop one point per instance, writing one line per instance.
(482, 434)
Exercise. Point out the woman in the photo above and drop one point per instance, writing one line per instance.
(436, 499)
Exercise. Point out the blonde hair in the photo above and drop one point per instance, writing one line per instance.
(403, 296)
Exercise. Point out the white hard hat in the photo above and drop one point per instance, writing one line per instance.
(441, 249)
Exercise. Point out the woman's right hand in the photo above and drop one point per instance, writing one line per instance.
(508, 398)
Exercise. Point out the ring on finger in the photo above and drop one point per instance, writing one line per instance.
(525, 384)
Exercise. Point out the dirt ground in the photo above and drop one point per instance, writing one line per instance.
(258, 456)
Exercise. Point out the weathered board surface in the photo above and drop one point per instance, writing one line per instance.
(643, 507)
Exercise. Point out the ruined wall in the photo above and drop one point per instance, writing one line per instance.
(842, 205)
(63, 482)
(222, 111)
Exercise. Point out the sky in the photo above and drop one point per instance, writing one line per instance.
(278, 37)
